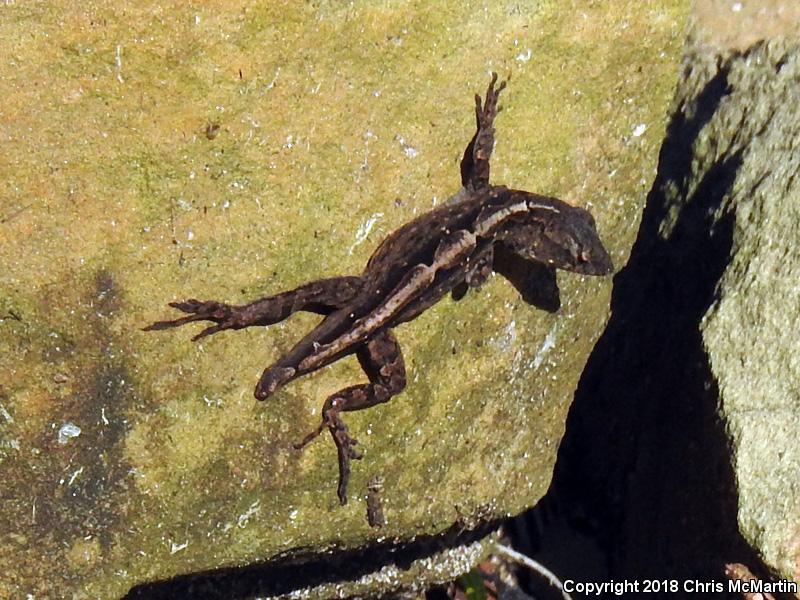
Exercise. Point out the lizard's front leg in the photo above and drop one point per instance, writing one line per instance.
(382, 361)
(321, 297)
(535, 281)
(475, 162)
(478, 271)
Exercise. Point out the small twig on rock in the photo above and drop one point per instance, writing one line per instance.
(533, 565)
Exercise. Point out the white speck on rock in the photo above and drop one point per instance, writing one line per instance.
(639, 130)
(408, 149)
(272, 83)
(118, 62)
(68, 431)
(524, 56)
(548, 344)
(363, 230)
(244, 518)
(505, 341)
(173, 547)
(74, 476)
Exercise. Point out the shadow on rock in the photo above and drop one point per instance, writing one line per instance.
(643, 487)
(288, 574)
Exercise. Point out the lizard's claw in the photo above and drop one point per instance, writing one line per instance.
(222, 314)
(486, 113)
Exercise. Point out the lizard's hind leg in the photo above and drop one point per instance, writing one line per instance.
(475, 163)
(321, 297)
(382, 361)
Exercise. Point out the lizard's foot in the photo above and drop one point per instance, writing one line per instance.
(346, 451)
(345, 445)
(475, 162)
(486, 114)
(224, 315)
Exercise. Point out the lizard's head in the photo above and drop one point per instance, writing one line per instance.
(561, 235)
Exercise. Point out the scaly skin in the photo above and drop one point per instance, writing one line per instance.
(450, 249)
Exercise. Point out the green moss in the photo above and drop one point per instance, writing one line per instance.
(120, 204)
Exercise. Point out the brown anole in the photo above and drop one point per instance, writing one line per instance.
(451, 248)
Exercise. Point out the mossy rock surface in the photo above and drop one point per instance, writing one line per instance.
(167, 151)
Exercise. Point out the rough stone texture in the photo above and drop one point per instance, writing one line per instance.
(681, 452)
(129, 457)
(385, 569)
(750, 332)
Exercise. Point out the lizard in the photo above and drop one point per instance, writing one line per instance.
(450, 249)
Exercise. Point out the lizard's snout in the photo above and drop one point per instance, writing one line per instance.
(596, 262)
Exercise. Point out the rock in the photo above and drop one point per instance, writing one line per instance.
(331, 125)
(681, 451)
(747, 332)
